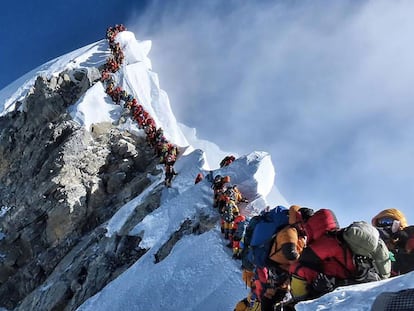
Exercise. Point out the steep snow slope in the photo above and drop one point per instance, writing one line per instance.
(357, 297)
(199, 273)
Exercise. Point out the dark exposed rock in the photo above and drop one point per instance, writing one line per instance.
(90, 265)
(203, 224)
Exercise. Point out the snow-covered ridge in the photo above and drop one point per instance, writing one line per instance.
(92, 55)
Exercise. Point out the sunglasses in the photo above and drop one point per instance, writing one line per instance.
(385, 222)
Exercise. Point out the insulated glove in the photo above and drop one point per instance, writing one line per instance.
(323, 283)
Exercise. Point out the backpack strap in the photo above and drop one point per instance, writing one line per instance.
(344, 266)
(278, 249)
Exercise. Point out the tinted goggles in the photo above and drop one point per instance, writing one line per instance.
(385, 222)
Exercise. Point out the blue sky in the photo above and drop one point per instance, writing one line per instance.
(324, 87)
(47, 29)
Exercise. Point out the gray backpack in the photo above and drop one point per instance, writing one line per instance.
(364, 241)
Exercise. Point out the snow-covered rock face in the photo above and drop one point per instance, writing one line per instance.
(90, 56)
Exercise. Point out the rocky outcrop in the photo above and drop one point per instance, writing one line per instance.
(58, 185)
(202, 224)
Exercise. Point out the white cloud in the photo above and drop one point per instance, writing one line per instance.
(326, 88)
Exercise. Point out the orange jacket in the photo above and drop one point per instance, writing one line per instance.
(287, 247)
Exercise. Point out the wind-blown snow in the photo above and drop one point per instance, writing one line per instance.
(199, 273)
(215, 154)
(134, 51)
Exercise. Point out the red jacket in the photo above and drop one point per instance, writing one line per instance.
(238, 219)
(199, 178)
(326, 255)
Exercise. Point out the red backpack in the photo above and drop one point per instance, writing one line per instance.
(318, 224)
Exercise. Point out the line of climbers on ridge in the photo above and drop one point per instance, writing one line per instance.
(294, 254)
(165, 150)
(227, 199)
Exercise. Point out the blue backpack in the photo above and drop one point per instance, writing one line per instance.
(269, 224)
(247, 238)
